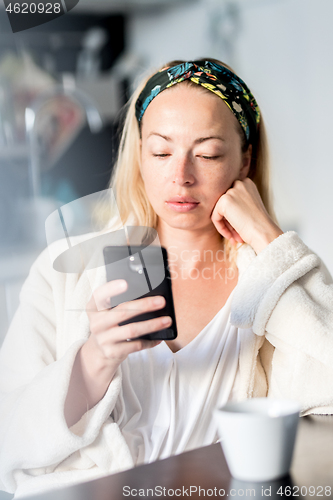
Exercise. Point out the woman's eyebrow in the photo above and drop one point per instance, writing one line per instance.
(197, 141)
(160, 135)
(203, 139)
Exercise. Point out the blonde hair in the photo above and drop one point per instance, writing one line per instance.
(127, 183)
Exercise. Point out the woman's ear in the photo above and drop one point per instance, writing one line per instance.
(246, 163)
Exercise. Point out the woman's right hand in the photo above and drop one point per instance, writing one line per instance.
(110, 343)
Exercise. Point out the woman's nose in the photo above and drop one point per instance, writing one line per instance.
(182, 172)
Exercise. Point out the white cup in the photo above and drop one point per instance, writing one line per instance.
(258, 437)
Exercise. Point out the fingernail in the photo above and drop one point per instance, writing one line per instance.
(158, 301)
(166, 321)
(121, 285)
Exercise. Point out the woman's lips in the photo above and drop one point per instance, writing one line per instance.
(182, 206)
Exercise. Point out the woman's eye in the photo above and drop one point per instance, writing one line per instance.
(161, 155)
(207, 157)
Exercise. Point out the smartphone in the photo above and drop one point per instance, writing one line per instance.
(146, 270)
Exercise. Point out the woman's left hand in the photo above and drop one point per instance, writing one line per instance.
(240, 216)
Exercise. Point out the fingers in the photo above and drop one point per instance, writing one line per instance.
(105, 320)
(117, 342)
(132, 331)
(109, 344)
(227, 231)
(234, 236)
(128, 310)
(100, 299)
(232, 208)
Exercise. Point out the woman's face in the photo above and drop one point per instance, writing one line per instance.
(190, 151)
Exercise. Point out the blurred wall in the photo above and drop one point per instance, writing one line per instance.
(285, 50)
(282, 49)
(73, 161)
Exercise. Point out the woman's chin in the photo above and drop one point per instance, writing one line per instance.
(186, 221)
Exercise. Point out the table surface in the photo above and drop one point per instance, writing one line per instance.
(311, 475)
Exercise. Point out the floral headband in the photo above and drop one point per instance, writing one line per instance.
(214, 77)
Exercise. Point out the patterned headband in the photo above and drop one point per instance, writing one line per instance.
(214, 77)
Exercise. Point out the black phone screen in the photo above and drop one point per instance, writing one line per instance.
(146, 270)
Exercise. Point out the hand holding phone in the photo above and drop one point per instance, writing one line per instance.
(145, 269)
(108, 344)
(114, 334)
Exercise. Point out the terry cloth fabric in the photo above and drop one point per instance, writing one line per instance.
(281, 306)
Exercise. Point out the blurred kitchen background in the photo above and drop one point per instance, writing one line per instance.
(63, 85)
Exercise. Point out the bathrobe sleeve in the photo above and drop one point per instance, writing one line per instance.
(34, 437)
(286, 295)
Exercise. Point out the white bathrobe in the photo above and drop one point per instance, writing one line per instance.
(283, 303)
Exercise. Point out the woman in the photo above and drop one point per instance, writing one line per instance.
(257, 322)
